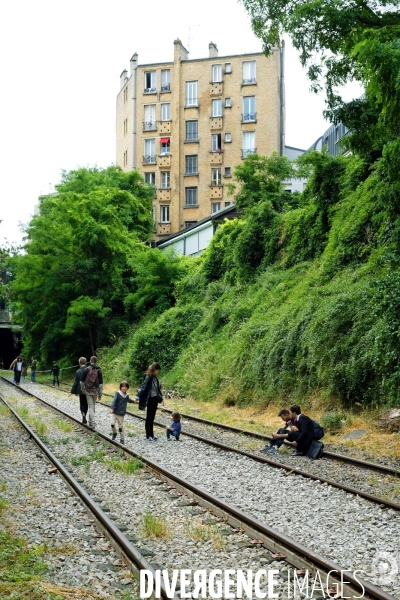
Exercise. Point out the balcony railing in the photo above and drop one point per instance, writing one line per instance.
(149, 159)
(166, 87)
(192, 137)
(151, 90)
(191, 102)
(247, 151)
(149, 126)
(248, 81)
(249, 117)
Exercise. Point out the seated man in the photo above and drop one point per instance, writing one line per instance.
(283, 433)
(305, 435)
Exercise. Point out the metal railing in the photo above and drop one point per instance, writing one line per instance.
(247, 151)
(249, 117)
(150, 90)
(149, 125)
(247, 81)
(190, 137)
(166, 87)
(149, 159)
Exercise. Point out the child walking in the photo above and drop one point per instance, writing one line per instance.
(118, 410)
(175, 428)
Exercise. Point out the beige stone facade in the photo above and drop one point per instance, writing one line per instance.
(186, 124)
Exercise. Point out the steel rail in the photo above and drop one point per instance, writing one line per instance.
(362, 464)
(297, 551)
(127, 549)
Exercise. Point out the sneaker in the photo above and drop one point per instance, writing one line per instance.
(155, 438)
(150, 439)
(84, 421)
(122, 442)
(114, 436)
(273, 450)
(297, 453)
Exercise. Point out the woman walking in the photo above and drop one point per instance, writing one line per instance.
(76, 389)
(149, 397)
(18, 370)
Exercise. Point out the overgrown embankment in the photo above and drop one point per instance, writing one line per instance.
(299, 297)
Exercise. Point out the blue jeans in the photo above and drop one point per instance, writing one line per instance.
(33, 376)
(174, 433)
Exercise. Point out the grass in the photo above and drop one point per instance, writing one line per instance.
(23, 412)
(127, 466)
(93, 454)
(4, 411)
(63, 425)
(154, 526)
(20, 567)
(3, 504)
(40, 426)
(201, 532)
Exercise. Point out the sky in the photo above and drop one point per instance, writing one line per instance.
(61, 63)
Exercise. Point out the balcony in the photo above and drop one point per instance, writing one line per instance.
(149, 126)
(150, 90)
(166, 87)
(164, 126)
(149, 159)
(247, 151)
(216, 123)
(216, 158)
(251, 81)
(164, 160)
(249, 118)
(216, 88)
(216, 190)
(164, 194)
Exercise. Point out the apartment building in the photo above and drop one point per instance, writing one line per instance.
(186, 124)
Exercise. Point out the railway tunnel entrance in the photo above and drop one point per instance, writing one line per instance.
(10, 344)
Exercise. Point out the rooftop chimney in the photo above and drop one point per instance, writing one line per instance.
(180, 52)
(213, 50)
(134, 62)
(123, 78)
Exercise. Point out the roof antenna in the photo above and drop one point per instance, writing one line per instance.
(190, 27)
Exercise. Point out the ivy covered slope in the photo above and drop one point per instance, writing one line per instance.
(300, 296)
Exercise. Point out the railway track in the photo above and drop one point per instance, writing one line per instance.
(329, 455)
(275, 541)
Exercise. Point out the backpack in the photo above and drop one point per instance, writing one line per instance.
(318, 430)
(92, 379)
(315, 450)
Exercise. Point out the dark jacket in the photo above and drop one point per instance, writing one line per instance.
(85, 370)
(144, 391)
(55, 370)
(306, 430)
(76, 386)
(119, 404)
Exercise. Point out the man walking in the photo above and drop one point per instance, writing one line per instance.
(33, 369)
(92, 385)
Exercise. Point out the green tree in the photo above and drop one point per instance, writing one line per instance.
(73, 278)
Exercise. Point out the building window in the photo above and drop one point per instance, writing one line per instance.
(153, 212)
(125, 95)
(191, 93)
(249, 71)
(228, 103)
(165, 112)
(227, 204)
(216, 176)
(228, 68)
(216, 142)
(249, 109)
(164, 144)
(164, 213)
(149, 151)
(217, 108)
(228, 172)
(149, 117)
(249, 143)
(215, 207)
(165, 179)
(125, 158)
(191, 196)
(166, 80)
(125, 126)
(228, 137)
(192, 130)
(216, 74)
(150, 178)
(150, 81)
(191, 165)
(190, 223)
